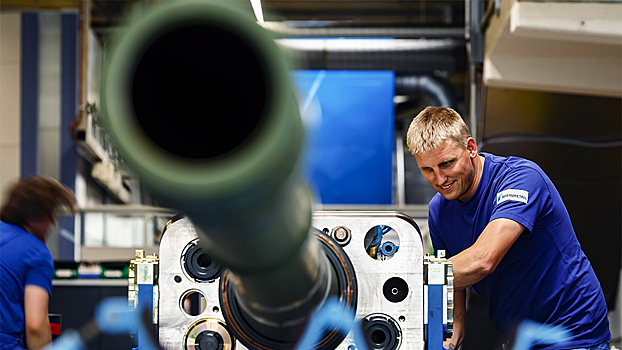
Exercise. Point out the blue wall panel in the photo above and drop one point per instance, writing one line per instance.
(30, 93)
(350, 122)
(69, 112)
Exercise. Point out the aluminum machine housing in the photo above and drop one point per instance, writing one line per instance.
(385, 277)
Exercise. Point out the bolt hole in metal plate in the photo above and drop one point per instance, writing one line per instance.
(193, 303)
(381, 242)
(395, 289)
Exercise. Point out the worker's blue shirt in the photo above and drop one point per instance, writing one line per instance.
(24, 260)
(545, 276)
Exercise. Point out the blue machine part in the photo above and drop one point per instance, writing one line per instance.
(389, 248)
(349, 116)
(530, 333)
(145, 302)
(436, 329)
(331, 315)
(114, 316)
(374, 249)
(70, 340)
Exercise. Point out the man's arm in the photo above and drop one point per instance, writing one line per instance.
(482, 258)
(38, 333)
(459, 312)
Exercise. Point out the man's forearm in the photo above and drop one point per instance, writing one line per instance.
(482, 258)
(469, 268)
(37, 338)
(38, 332)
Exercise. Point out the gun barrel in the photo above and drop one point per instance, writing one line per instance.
(199, 103)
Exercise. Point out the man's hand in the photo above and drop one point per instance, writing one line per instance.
(38, 333)
(482, 258)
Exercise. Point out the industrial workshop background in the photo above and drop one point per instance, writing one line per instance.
(540, 79)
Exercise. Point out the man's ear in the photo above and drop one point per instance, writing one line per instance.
(472, 147)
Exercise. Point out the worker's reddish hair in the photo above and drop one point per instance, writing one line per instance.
(36, 198)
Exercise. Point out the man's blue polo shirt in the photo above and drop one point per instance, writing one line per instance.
(545, 276)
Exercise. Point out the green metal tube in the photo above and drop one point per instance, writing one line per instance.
(199, 103)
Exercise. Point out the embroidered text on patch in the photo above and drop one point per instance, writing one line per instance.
(513, 195)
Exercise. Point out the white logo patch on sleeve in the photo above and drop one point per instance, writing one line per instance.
(513, 195)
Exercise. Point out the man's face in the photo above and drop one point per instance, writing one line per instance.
(41, 228)
(450, 169)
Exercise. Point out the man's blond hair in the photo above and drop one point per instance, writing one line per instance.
(434, 125)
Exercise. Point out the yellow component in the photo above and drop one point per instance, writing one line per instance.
(373, 250)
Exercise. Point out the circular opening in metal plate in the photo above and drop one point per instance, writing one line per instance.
(395, 289)
(199, 265)
(378, 336)
(193, 303)
(204, 260)
(208, 333)
(381, 242)
(381, 332)
(209, 340)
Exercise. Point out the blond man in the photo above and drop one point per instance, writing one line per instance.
(506, 230)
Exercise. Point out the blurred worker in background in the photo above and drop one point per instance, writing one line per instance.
(26, 265)
(506, 230)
